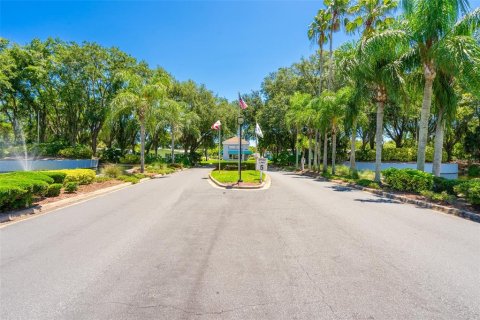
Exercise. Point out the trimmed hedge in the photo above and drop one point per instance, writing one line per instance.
(406, 154)
(470, 190)
(53, 190)
(57, 176)
(77, 152)
(442, 184)
(71, 187)
(81, 176)
(408, 179)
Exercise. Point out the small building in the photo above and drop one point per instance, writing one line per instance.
(231, 149)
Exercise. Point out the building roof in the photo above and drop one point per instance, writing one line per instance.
(235, 140)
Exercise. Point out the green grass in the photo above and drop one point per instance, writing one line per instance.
(224, 176)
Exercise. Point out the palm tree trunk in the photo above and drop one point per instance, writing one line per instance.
(319, 158)
(309, 150)
(320, 87)
(429, 74)
(325, 150)
(330, 66)
(379, 139)
(173, 144)
(334, 148)
(142, 146)
(296, 150)
(437, 157)
(353, 165)
(315, 150)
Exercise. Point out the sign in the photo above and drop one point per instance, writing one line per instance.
(261, 164)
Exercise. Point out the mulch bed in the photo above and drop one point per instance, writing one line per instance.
(82, 189)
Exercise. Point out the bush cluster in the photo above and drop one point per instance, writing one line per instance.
(81, 176)
(473, 170)
(470, 189)
(405, 154)
(112, 170)
(445, 185)
(71, 187)
(77, 152)
(438, 197)
(409, 180)
(130, 159)
(53, 190)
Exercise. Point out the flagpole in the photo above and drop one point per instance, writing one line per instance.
(219, 140)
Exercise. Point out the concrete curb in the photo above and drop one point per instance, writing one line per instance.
(421, 203)
(227, 186)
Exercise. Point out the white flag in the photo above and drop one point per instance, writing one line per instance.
(258, 131)
(216, 125)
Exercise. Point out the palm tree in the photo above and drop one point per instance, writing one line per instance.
(336, 9)
(440, 44)
(317, 33)
(140, 96)
(381, 68)
(295, 116)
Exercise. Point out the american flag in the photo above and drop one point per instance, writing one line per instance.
(242, 103)
(216, 125)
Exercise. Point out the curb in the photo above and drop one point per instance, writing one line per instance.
(465, 214)
(227, 186)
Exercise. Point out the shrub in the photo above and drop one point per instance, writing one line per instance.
(438, 197)
(130, 159)
(57, 176)
(470, 190)
(283, 159)
(368, 183)
(131, 179)
(405, 154)
(112, 170)
(442, 184)
(474, 170)
(14, 197)
(111, 155)
(408, 179)
(53, 190)
(81, 176)
(102, 179)
(176, 165)
(77, 152)
(71, 187)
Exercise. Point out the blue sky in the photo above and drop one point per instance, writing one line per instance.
(229, 46)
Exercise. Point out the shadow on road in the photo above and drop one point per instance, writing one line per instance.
(380, 200)
(340, 188)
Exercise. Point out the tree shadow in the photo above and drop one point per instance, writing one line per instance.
(379, 200)
(340, 188)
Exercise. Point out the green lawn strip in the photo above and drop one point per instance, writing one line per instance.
(231, 176)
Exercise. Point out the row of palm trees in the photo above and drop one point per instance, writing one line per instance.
(431, 40)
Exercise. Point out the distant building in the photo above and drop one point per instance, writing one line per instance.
(231, 149)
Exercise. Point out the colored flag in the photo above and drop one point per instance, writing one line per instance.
(242, 103)
(216, 125)
(258, 131)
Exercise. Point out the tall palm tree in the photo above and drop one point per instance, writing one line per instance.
(381, 68)
(140, 96)
(295, 116)
(337, 9)
(440, 43)
(317, 33)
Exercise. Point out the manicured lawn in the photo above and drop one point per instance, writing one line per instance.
(231, 176)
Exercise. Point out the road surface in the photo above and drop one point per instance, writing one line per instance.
(179, 248)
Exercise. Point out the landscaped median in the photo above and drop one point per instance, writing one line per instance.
(229, 179)
(24, 189)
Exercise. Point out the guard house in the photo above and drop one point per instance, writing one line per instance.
(231, 149)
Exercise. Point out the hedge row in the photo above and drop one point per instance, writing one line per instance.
(405, 154)
(53, 149)
(411, 180)
(18, 189)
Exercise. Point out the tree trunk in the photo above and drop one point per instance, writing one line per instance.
(309, 150)
(173, 144)
(315, 150)
(379, 139)
(330, 66)
(319, 159)
(437, 157)
(325, 150)
(296, 150)
(334, 148)
(142, 146)
(320, 87)
(353, 165)
(429, 74)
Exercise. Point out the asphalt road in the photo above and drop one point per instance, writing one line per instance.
(179, 248)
